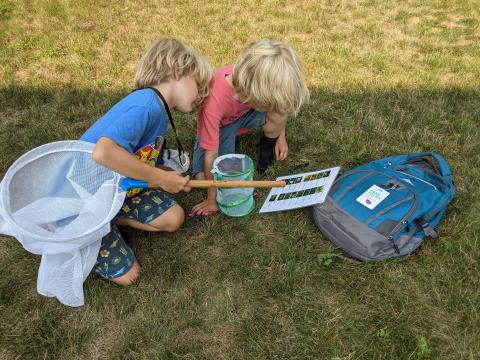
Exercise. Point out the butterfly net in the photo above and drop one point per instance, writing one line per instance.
(58, 202)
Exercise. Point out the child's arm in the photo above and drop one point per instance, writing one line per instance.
(281, 146)
(210, 156)
(210, 204)
(116, 158)
(274, 127)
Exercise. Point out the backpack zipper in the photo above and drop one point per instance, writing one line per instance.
(430, 215)
(403, 221)
(426, 182)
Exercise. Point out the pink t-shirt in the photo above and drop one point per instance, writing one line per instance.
(220, 110)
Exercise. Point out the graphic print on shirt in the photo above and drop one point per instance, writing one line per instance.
(149, 155)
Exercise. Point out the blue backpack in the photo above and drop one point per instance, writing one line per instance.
(385, 208)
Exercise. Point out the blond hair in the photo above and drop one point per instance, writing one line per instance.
(268, 76)
(169, 57)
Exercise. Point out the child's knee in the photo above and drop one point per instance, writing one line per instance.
(200, 176)
(130, 277)
(176, 218)
(276, 118)
(171, 220)
(274, 123)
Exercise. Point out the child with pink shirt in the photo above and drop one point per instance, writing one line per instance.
(261, 89)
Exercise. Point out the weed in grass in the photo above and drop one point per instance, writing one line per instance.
(52, 52)
(326, 259)
(102, 35)
(423, 350)
(104, 83)
(360, 157)
(28, 42)
(384, 335)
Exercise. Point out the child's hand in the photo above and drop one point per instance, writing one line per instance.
(173, 182)
(281, 147)
(205, 207)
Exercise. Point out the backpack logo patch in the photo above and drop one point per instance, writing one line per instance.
(372, 197)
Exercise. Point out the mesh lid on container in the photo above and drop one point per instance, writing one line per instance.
(233, 165)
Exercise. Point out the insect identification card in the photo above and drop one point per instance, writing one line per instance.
(302, 190)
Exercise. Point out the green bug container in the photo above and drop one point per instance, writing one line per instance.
(234, 201)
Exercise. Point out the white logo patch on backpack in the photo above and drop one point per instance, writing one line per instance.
(372, 197)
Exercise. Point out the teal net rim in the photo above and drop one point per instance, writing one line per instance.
(249, 172)
(236, 202)
(254, 204)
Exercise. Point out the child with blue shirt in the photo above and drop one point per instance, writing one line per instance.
(170, 75)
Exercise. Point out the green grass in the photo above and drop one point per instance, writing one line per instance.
(386, 78)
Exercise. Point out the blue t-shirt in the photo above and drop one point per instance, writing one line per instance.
(137, 123)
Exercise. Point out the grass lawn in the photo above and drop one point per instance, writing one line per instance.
(386, 78)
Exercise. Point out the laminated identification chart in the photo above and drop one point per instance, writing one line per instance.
(302, 190)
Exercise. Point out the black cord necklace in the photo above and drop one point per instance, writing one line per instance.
(170, 119)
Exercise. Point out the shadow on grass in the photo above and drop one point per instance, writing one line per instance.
(345, 128)
(372, 120)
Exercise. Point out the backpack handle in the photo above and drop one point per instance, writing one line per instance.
(444, 169)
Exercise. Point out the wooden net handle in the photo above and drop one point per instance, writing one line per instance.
(205, 184)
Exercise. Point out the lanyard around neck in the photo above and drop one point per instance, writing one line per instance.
(170, 118)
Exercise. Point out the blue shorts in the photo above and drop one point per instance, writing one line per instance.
(251, 120)
(116, 258)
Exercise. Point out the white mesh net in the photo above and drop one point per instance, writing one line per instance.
(58, 202)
